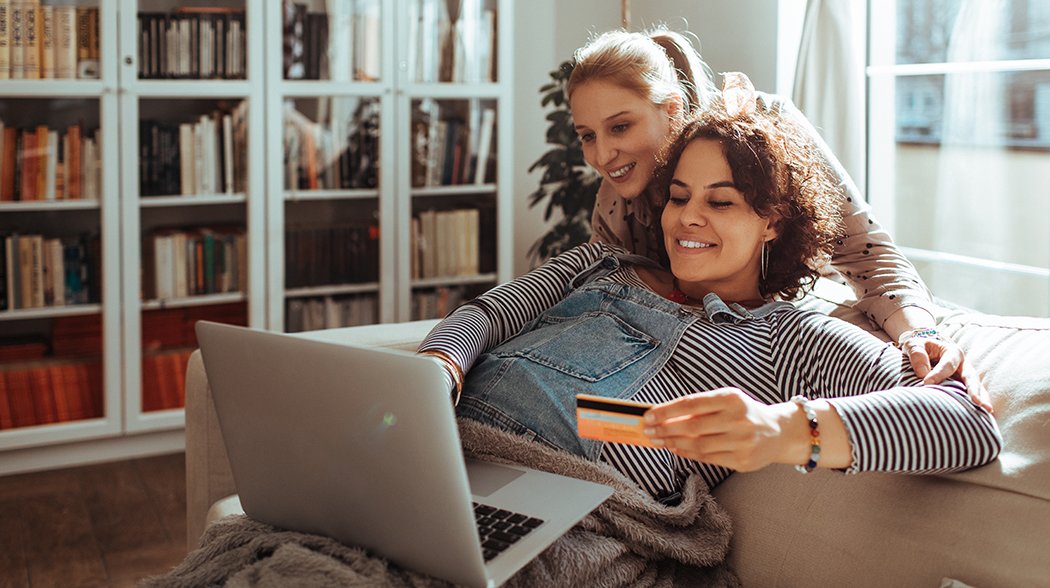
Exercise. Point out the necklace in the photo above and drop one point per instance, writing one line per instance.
(677, 295)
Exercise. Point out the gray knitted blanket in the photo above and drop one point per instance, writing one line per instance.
(630, 540)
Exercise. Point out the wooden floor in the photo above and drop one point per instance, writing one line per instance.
(99, 525)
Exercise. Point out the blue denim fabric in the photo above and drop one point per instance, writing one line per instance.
(604, 338)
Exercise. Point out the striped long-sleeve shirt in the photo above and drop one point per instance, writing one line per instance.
(893, 422)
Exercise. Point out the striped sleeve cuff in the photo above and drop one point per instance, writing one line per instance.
(464, 335)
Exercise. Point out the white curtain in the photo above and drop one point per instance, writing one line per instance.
(829, 78)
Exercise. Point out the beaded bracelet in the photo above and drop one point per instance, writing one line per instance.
(814, 435)
(927, 332)
(453, 369)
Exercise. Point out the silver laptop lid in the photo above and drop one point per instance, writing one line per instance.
(349, 442)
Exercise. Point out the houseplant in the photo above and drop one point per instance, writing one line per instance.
(568, 184)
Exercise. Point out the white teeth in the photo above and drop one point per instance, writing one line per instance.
(622, 171)
(694, 244)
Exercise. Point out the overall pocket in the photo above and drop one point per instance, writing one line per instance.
(591, 346)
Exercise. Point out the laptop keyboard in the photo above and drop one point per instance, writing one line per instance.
(499, 528)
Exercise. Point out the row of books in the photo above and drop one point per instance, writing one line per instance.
(175, 328)
(451, 41)
(450, 151)
(190, 262)
(341, 154)
(328, 255)
(341, 44)
(445, 243)
(436, 303)
(164, 379)
(38, 271)
(207, 156)
(192, 43)
(40, 163)
(329, 312)
(41, 393)
(44, 41)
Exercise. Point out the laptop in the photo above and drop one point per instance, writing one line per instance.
(360, 444)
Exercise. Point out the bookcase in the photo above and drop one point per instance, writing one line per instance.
(138, 208)
(386, 115)
(287, 165)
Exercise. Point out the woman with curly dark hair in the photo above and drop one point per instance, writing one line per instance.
(736, 376)
(780, 178)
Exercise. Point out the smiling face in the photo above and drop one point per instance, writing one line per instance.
(621, 133)
(713, 236)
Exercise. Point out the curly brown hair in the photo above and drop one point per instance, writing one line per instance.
(781, 172)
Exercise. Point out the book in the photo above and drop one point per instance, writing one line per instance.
(6, 417)
(65, 41)
(488, 123)
(5, 50)
(74, 163)
(3, 275)
(43, 395)
(36, 271)
(31, 39)
(55, 257)
(27, 167)
(50, 166)
(367, 41)
(47, 41)
(20, 397)
(41, 162)
(12, 260)
(16, 57)
(90, 168)
(8, 161)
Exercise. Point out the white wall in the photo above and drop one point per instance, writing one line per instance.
(735, 36)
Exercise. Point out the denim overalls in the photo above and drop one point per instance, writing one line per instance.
(604, 338)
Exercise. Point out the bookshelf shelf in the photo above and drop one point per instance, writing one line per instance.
(191, 88)
(336, 290)
(54, 88)
(463, 190)
(312, 88)
(49, 206)
(488, 278)
(203, 300)
(457, 90)
(199, 200)
(308, 195)
(50, 312)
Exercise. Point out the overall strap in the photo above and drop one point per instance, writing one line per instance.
(607, 265)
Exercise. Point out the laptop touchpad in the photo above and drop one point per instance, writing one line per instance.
(485, 478)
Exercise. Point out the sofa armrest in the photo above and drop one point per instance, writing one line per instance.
(208, 475)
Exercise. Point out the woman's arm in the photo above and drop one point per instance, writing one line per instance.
(883, 279)
(894, 421)
(500, 313)
(888, 288)
(873, 413)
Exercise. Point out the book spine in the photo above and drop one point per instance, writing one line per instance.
(65, 43)
(3, 279)
(47, 41)
(31, 40)
(17, 52)
(5, 41)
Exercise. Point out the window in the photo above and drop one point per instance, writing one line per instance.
(959, 145)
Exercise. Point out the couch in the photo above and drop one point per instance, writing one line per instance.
(986, 527)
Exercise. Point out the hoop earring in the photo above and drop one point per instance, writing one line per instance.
(764, 260)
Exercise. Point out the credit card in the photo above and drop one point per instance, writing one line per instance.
(608, 419)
